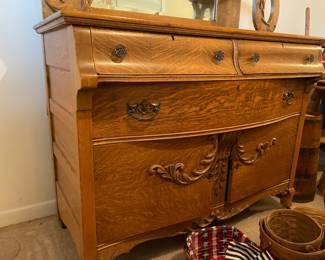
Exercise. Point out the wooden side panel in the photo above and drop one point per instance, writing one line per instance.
(192, 107)
(131, 200)
(278, 58)
(69, 182)
(160, 54)
(69, 221)
(62, 91)
(272, 167)
(67, 72)
(57, 52)
(66, 140)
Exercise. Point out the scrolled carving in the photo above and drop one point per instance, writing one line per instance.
(240, 156)
(175, 172)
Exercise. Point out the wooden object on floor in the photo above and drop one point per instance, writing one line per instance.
(161, 123)
(314, 105)
(306, 175)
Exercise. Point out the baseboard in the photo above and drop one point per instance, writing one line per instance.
(27, 213)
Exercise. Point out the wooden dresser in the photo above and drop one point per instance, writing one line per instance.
(163, 123)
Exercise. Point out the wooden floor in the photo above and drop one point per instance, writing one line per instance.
(44, 239)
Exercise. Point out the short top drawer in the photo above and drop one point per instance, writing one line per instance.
(278, 58)
(126, 52)
(124, 110)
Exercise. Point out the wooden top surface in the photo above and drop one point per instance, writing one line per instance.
(162, 24)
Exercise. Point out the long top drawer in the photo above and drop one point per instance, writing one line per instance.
(135, 53)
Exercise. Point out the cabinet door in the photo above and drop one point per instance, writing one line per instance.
(146, 185)
(262, 158)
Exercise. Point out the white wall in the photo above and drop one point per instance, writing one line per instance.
(26, 173)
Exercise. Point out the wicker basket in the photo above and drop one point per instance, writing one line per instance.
(317, 214)
(281, 252)
(212, 243)
(294, 230)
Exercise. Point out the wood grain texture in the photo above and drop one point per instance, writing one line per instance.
(104, 154)
(69, 221)
(216, 106)
(278, 58)
(272, 168)
(131, 201)
(68, 181)
(228, 13)
(149, 53)
(68, 72)
(154, 23)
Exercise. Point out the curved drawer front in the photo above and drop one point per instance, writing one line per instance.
(142, 186)
(144, 110)
(278, 58)
(122, 52)
(262, 158)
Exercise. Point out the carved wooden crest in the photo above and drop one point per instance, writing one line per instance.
(260, 23)
(52, 6)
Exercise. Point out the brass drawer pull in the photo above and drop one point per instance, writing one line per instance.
(289, 97)
(310, 59)
(256, 57)
(119, 53)
(219, 56)
(144, 111)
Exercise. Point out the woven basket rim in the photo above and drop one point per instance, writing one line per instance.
(281, 212)
(286, 249)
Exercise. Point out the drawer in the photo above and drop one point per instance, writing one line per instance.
(282, 58)
(123, 52)
(262, 158)
(124, 110)
(143, 186)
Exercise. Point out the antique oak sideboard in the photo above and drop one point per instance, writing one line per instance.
(160, 123)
